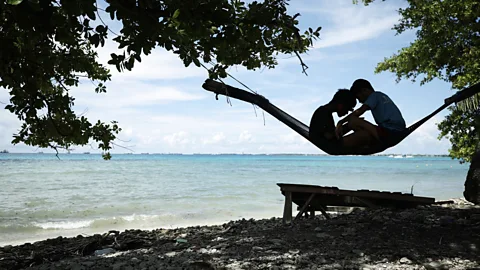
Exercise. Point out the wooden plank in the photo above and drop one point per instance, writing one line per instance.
(304, 207)
(287, 209)
(366, 202)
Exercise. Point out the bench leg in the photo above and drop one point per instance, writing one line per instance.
(324, 212)
(305, 205)
(287, 210)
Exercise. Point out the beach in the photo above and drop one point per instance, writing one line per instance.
(223, 210)
(427, 237)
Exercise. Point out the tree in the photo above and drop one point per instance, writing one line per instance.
(447, 47)
(48, 46)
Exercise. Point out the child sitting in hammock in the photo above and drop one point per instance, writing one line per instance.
(387, 116)
(322, 125)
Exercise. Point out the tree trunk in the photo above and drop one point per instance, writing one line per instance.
(472, 184)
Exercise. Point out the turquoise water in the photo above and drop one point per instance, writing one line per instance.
(44, 197)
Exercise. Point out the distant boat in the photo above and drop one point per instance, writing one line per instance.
(4, 152)
(401, 156)
(86, 153)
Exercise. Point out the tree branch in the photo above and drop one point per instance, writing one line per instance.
(304, 66)
(100, 17)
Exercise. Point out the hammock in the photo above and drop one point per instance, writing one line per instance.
(322, 143)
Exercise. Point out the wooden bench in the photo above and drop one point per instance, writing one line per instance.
(311, 198)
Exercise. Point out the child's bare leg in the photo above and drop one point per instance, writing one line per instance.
(346, 129)
(358, 124)
(358, 138)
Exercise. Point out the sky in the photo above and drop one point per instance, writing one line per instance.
(162, 107)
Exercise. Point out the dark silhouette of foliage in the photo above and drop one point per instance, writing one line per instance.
(47, 46)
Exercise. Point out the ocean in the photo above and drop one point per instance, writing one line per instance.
(45, 197)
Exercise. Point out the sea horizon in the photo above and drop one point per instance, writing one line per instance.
(223, 153)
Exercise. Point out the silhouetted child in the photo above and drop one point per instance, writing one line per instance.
(322, 125)
(387, 116)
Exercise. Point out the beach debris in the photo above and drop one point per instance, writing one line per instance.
(171, 254)
(405, 260)
(294, 251)
(104, 251)
(218, 239)
(99, 242)
(208, 251)
(436, 266)
(181, 240)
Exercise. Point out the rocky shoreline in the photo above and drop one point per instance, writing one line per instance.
(434, 237)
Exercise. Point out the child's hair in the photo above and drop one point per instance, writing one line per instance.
(359, 84)
(345, 97)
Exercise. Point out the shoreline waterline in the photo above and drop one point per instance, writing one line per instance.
(52, 233)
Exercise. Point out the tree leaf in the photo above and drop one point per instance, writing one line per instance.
(14, 2)
(176, 14)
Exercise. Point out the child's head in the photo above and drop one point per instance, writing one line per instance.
(362, 89)
(344, 101)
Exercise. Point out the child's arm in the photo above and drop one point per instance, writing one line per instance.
(357, 113)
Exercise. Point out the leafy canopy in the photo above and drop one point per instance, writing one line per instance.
(48, 46)
(447, 47)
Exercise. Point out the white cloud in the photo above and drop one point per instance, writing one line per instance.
(160, 64)
(350, 23)
(290, 138)
(428, 134)
(215, 139)
(181, 138)
(131, 93)
(245, 136)
(423, 140)
(349, 34)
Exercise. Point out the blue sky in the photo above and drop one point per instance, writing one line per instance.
(162, 107)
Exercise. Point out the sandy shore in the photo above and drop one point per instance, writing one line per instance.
(434, 237)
